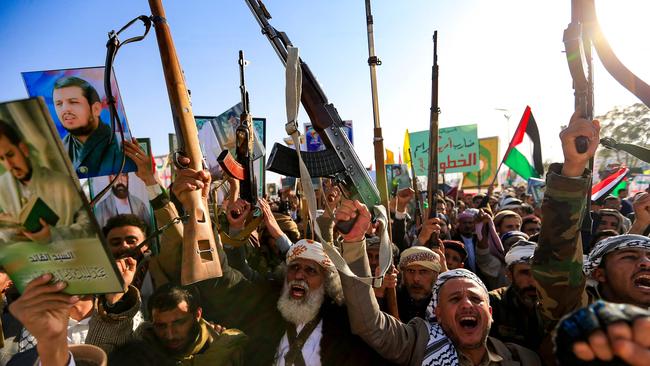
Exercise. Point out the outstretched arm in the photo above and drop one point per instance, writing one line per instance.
(392, 339)
(557, 263)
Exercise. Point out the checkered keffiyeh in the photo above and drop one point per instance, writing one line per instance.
(611, 244)
(521, 252)
(442, 279)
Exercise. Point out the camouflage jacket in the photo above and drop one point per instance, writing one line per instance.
(557, 263)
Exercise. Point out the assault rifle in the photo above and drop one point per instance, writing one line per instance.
(241, 166)
(339, 160)
(432, 178)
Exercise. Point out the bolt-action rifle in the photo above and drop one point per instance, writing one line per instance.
(432, 178)
(200, 260)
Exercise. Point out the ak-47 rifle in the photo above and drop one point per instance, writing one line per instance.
(241, 166)
(200, 260)
(582, 33)
(432, 178)
(339, 160)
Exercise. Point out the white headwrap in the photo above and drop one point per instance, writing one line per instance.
(521, 252)
(613, 243)
(309, 249)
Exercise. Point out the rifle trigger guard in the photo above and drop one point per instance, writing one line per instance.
(291, 127)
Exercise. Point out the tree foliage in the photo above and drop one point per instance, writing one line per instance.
(626, 124)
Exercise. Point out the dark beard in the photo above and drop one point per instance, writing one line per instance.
(528, 301)
(27, 176)
(120, 191)
(84, 130)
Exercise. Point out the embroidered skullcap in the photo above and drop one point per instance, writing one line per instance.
(611, 244)
(521, 252)
(309, 249)
(470, 213)
(449, 275)
(419, 255)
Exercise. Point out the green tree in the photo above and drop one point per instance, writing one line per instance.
(626, 124)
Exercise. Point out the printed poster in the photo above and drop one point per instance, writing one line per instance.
(46, 225)
(313, 141)
(78, 105)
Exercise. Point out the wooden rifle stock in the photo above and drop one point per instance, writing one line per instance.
(200, 260)
(373, 62)
(432, 181)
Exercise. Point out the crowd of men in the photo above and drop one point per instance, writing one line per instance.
(491, 279)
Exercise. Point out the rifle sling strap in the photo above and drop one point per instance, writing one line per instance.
(293, 92)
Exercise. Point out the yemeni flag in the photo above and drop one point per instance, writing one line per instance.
(515, 159)
(607, 185)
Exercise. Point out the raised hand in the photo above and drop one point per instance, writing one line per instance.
(354, 210)
(127, 267)
(142, 161)
(429, 227)
(189, 180)
(575, 162)
(271, 224)
(641, 214)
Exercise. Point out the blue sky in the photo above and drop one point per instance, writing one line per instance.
(492, 54)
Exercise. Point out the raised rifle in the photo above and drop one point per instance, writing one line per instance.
(200, 260)
(432, 178)
(581, 35)
(339, 160)
(241, 167)
(418, 199)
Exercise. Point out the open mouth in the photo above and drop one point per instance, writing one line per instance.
(468, 322)
(642, 282)
(298, 292)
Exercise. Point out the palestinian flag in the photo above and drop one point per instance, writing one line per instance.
(515, 159)
(607, 185)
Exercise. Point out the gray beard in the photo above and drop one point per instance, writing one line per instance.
(300, 311)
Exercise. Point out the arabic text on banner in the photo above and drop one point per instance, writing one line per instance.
(457, 150)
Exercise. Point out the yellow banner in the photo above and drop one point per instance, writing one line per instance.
(488, 162)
